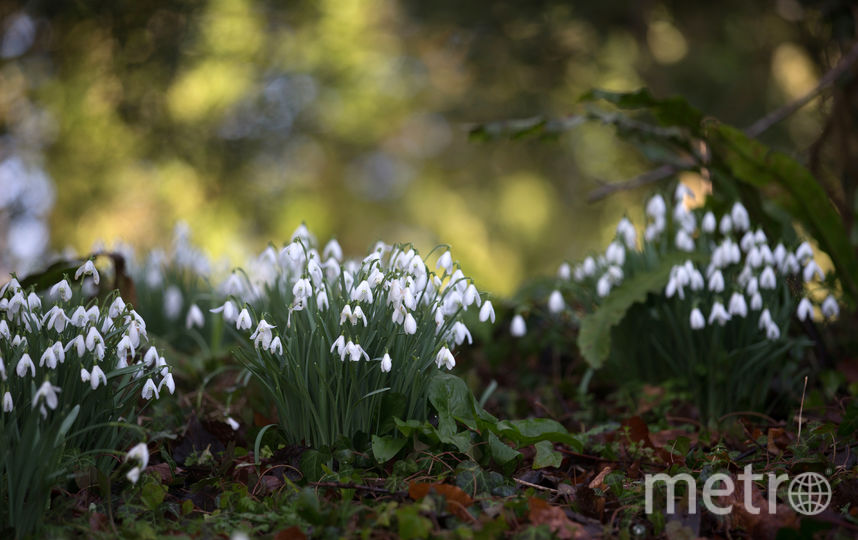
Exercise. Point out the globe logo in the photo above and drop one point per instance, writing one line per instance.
(809, 493)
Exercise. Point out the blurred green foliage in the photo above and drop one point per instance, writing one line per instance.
(246, 117)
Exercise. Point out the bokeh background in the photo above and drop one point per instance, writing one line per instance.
(244, 118)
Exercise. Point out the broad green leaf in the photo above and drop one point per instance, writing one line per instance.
(385, 448)
(502, 453)
(451, 398)
(152, 494)
(672, 111)
(412, 524)
(546, 455)
(533, 430)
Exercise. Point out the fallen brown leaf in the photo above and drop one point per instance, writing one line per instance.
(457, 500)
(542, 513)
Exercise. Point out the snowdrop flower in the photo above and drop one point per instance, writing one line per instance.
(93, 338)
(410, 325)
(790, 265)
(738, 305)
(230, 311)
(830, 308)
(517, 328)
(243, 322)
(471, 296)
(263, 334)
(564, 272)
(487, 312)
(4, 330)
(49, 393)
(333, 250)
(116, 308)
(149, 390)
(276, 347)
(150, 357)
(804, 252)
(322, 300)
(2, 370)
(755, 258)
(386, 363)
(460, 332)
(603, 286)
(172, 302)
(765, 319)
(615, 254)
(139, 454)
(445, 261)
(760, 237)
(719, 314)
(726, 224)
(747, 241)
(61, 290)
(767, 278)
(87, 269)
(49, 358)
(445, 358)
(805, 309)
(708, 223)
(716, 281)
(654, 229)
(773, 332)
(24, 364)
(811, 269)
(626, 231)
(56, 318)
(696, 319)
(78, 344)
(315, 272)
(684, 218)
(97, 376)
(655, 207)
(168, 382)
(340, 346)
(589, 266)
(194, 318)
(16, 303)
(756, 301)
(779, 254)
(683, 241)
(555, 302)
(232, 423)
(354, 352)
(302, 288)
(741, 220)
(125, 346)
(8, 406)
(79, 317)
(362, 293)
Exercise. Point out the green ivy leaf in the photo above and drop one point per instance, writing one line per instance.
(546, 455)
(385, 448)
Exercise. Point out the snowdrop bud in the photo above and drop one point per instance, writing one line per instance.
(756, 301)
(167, 381)
(654, 229)
(87, 269)
(767, 278)
(243, 322)
(726, 224)
(107, 325)
(61, 290)
(518, 328)
(386, 363)
(445, 358)
(811, 269)
(716, 281)
(805, 309)
(149, 390)
(738, 306)
(830, 308)
(564, 272)
(410, 325)
(133, 475)
(708, 224)
(194, 318)
(487, 312)
(655, 207)
(741, 220)
(760, 237)
(96, 376)
(8, 406)
(24, 364)
(172, 302)
(745, 276)
(615, 254)
(696, 319)
(555, 302)
(672, 286)
(333, 249)
(719, 314)
(445, 261)
(315, 272)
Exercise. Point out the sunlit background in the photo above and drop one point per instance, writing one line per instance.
(244, 118)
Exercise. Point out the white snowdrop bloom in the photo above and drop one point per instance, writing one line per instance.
(615, 254)
(719, 314)
(708, 224)
(16, 303)
(790, 265)
(78, 344)
(150, 357)
(409, 326)
(766, 254)
(830, 307)
(765, 319)
(93, 338)
(376, 278)
(716, 281)
(24, 364)
(133, 475)
(79, 317)
(243, 322)
(779, 255)
(386, 363)
(97, 376)
(149, 390)
(140, 455)
(626, 231)
(681, 192)
(471, 296)
(19, 340)
(194, 318)
(168, 381)
(124, 347)
(805, 309)
(172, 302)
(315, 272)
(741, 220)
(696, 319)
(87, 269)
(589, 266)
(747, 241)
(3, 376)
(460, 332)
(8, 406)
(615, 274)
(804, 252)
(333, 250)
(773, 332)
(517, 327)
(355, 352)
(654, 229)
(760, 237)
(656, 207)
(11, 285)
(696, 281)
(756, 301)
(683, 241)
(737, 305)
(4, 329)
(233, 286)
(348, 280)
(48, 392)
(263, 334)
(322, 300)
(61, 290)
(276, 346)
(332, 269)
(555, 302)
(399, 313)
(564, 271)
(302, 288)
(487, 312)
(768, 279)
(734, 255)
(92, 314)
(232, 423)
(445, 358)
(340, 346)
(755, 258)
(752, 287)
(812, 269)
(745, 276)
(56, 318)
(603, 286)
(230, 311)
(49, 357)
(726, 225)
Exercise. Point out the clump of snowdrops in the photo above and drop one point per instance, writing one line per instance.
(344, 346)
(724, 322)
(74, 374)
